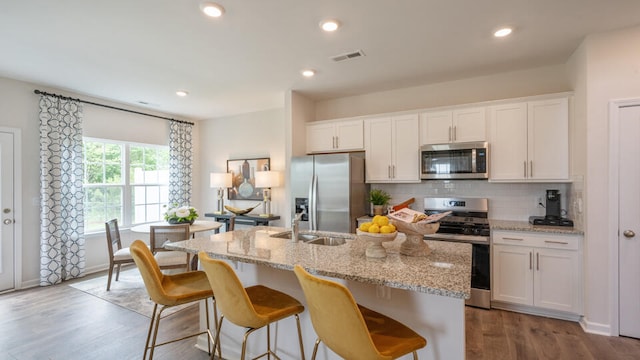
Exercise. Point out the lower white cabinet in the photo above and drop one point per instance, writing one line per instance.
(542, 270)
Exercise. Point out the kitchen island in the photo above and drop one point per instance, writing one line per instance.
(425, 293)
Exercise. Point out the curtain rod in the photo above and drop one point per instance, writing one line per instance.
(110, 107)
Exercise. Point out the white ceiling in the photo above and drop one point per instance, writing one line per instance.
(134, 51)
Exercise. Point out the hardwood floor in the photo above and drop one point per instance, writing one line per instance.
(63, 323)
(496, 334)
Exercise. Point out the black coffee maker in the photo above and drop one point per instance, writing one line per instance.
(553, 216)
(553, 205)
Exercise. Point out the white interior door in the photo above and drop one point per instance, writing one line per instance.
(629, 222)
(7, 231)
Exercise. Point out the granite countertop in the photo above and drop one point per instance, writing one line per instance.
(446, 271)
(526, 226)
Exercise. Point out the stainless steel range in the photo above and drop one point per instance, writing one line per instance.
(467, 223)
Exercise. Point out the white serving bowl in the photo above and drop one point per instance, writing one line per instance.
(374, 242)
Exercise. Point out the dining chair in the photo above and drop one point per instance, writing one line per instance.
(351, 330)
(253, 307)
(169, 291)
(169, 259)
(118, 255)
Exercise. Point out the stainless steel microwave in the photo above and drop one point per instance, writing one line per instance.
(455, 161)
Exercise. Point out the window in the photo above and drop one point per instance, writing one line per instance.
(126, 181)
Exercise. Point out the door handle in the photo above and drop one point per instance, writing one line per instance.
(629, 233)
(8, 221)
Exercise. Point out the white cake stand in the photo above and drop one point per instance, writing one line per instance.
(414, 245)
(374, 243)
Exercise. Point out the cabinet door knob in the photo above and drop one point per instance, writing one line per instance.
(8, 221)
(629, 233)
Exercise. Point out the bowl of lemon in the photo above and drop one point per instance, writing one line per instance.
(375, 233)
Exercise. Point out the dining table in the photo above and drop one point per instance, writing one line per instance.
(196, 227)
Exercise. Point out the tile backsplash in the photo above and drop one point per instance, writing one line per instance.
(507, 201)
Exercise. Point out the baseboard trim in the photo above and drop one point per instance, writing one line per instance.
(595, 328)
(87, 271)
(536, 311)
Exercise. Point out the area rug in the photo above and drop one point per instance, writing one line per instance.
(128, 292)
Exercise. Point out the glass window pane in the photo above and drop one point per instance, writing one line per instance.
(94, 174)
(164, 195)
(114, 196)
(163, 176)
(113, 153)
(136, 175)
(93, 152)
(138, 195)
(113, 174)
(153, 194)
(136, 155)
(139, 214)
(152, 211)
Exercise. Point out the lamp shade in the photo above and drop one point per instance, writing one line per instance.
(220, 180)
(267, 179)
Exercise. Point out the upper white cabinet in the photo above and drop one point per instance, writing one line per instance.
(458, 125)
(331, 136)
(530, 141)
(392, 149)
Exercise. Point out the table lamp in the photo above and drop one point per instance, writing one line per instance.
(266, 180)
(220, 181)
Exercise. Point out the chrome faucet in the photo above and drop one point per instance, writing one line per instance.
(295, 225)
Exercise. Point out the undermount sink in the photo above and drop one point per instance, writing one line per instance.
(301, 237)
(327, 241)
(314, 239)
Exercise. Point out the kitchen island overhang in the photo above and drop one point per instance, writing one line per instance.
(426, 293)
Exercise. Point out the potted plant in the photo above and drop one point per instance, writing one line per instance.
(379, 199)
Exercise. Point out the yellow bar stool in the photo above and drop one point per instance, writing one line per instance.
(170, 291)
(253, 307)
(351, 330)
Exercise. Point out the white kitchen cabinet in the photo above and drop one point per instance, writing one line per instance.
(540, 270)
(452, 126)
(330, 136)
(530, 141)
(392, 149)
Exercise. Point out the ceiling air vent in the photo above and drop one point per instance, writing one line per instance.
(348, 56)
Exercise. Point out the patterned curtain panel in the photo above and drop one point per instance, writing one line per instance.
(180, 163)
(62, 247)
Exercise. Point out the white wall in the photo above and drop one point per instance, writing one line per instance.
(506, 85)
(253, 135)
(612, 72)
(19, 109)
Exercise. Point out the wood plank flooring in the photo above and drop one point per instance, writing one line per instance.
(496, 334)
(63, 323)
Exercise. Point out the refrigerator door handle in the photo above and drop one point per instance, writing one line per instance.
(313, 199)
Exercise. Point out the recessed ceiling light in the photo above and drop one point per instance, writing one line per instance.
(211, 9)
(182, 93)
(308, 73)
(330, 25)
(503, 32)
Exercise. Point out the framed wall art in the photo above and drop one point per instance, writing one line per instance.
(243, 174)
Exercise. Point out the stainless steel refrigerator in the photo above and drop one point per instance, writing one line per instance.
(330, 189)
